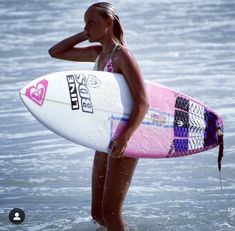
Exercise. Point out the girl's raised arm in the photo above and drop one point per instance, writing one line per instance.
(66, 49)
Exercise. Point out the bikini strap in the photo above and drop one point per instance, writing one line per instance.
(110, 62)
(111, 54)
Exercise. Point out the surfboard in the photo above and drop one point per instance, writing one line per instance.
(91, 108)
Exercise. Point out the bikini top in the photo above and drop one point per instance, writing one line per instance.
(109, 65)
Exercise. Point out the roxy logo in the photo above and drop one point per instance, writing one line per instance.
(37, 92)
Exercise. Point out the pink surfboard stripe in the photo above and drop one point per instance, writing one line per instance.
(161, 99)
(146, 139)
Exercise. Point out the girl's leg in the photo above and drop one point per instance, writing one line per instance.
(118, 178)
(98, 179)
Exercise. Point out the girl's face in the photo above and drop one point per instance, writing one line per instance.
(96, 26)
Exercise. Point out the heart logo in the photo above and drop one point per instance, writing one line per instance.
(37, 93)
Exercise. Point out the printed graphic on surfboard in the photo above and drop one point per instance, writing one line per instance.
(194, 128)
(37, 93)
(77, 84)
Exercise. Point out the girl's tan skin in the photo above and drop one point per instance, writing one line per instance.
(112, 174)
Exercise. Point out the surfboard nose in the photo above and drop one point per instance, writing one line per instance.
(22, 94)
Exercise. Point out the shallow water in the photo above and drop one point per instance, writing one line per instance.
(187, 45)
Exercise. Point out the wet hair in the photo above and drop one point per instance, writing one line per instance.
(106, 9)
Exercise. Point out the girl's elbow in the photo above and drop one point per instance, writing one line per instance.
(144, 104)
(51, 52)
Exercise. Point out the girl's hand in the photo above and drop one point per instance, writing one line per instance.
(117, 147)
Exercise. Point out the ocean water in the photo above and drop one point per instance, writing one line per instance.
(185, 44)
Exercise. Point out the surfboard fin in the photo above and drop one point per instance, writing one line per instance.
(221, 147)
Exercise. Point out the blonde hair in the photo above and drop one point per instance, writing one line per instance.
(107, 10)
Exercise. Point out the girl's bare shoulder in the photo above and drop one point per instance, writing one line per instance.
(121, 57)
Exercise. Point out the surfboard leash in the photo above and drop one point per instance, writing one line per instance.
(221, 147)
(227, 218)
(220, 156)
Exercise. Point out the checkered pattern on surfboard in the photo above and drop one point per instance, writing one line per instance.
(189, 127)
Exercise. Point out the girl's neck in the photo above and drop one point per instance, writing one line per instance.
(108, 46)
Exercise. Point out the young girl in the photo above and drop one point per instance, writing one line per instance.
(112, 172)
